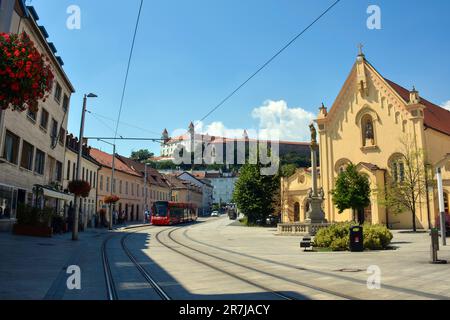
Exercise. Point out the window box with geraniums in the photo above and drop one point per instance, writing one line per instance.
(25, 74)
(111, 199)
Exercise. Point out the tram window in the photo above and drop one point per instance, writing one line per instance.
(160, 210)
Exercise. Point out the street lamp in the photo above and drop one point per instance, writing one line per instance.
(146, 192)
(79, 157)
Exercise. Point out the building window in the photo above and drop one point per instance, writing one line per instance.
(107, 184)
(39, 162)
(11, 149)
(6, 203)
(65, 104)
(90, 178)
(44, 119)
(58, 93)
(95, 180)
(32, 115)
(101, 183)
(62, 136)
(446, 204)
(83, 176)
(27, 156)
(397, 166)
(120, 186)
(54, 132)
(68, 170)
(368, 131)
(126, 187)
(59, 171)
(74, 171)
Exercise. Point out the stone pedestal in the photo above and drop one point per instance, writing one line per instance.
(315, 215)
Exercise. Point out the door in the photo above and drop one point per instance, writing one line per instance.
(297, 212)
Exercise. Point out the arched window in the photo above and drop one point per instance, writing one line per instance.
(397, 166)
(297, 212)
(368, 131)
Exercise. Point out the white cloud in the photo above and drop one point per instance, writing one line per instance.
(446, 105)
(278, 121)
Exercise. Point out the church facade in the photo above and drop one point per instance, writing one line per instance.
(367, 126)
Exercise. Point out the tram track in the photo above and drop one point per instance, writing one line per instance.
(111, 289)
(216, 268)
(250, 268)
(317, 272)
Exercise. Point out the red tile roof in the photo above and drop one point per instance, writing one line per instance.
(436, 117)
(153, 176)
(105, 159)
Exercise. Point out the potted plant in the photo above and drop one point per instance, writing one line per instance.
(111, 199)
(80, 188)
(25, 75)
(32, 221)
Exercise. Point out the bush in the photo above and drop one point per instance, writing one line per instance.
(377, 237)
(337, 237)
(31, 216)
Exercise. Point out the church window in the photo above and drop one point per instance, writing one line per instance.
(397, 166)
(368, 131)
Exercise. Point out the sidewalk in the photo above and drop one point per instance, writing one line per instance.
(35, 268)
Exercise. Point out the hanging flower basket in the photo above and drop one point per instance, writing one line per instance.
(25, 75)
(111, 199)
(80, 188)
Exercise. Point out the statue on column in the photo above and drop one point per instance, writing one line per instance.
(313, 135)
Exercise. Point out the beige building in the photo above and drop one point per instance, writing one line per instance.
(183, 191)
(89, 171)
(32, 145)
(157, 187)
(128, 186)
(365, 126)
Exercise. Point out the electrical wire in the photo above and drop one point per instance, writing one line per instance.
(128, 70)
(267, 63)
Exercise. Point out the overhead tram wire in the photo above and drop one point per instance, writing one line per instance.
(128, 70)
(268, 62)
(97, 115)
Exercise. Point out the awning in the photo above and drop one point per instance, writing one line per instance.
(58, 195)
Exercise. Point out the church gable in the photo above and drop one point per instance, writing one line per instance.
(367, 116)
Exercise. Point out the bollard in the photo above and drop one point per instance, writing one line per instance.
(435, 247)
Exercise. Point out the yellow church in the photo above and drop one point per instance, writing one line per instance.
(367, 126)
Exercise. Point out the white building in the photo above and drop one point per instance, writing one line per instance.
(207, 191)
(224, 184)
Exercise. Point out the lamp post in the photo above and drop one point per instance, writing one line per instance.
(441, 206)
(79, 157)
(146, 192)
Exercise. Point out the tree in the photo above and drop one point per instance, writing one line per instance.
(408, 180)
(254, 192)
(352, 191)
(141, 155)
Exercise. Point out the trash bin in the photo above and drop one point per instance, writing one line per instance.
(356, 239)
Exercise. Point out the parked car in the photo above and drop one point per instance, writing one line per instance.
(215, 214)
(272, 221)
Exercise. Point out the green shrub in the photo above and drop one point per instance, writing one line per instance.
(377, 237)
(337, 237)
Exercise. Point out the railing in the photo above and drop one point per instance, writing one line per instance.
(300, 229)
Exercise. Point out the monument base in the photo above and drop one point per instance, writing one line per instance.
(300, 229)
(315, 215)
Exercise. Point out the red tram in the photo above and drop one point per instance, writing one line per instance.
(169, 213)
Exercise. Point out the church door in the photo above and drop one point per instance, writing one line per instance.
(297, 212)
(368, 214)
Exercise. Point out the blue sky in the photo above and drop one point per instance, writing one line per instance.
(190, 54)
